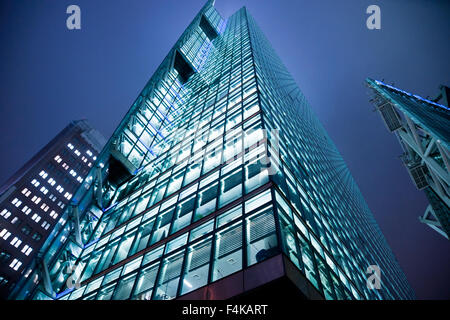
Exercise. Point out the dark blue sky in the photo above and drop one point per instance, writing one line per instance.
(50, 76)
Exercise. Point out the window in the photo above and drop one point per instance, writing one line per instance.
(5, 234)
(142, 236)
(43, 174)
(231, 188)
(5, 213)
(192, 173)
(183, 214)
(16, 202)
(258, 201)
(106, 292)
(206, 202)
(26, 229)
(196, 270)
(124, 288)
(36, 236)
(308, 261)
(169, 277)
(261, 236)
(16, 242)
(228, 251)
(289, 244)
(124, 247)
(176, 243)
(26, 250)
(163, 225)
(131, 266)
(15, 264)
(255, 175)
(93, 285)
(153, 255)
(4, 256)
(201, 230)
(146, 281)
(175, 183)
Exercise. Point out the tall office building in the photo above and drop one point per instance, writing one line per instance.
(422, 127)
(219, 182)
(32, 200)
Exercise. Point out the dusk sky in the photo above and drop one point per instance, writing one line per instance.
(50, 75)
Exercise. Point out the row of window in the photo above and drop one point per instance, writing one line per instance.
(206, 254)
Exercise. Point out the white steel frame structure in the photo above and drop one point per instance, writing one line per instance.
(426, 156)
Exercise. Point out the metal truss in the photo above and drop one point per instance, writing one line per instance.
(426, 157)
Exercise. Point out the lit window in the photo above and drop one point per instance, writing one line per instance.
(5, 234)
(43, 174)
(70, 146)
(16, 242)
(5, 213)
(16, 202)
(15, 264)
(36, 217)
(45, 225)
(53, 214)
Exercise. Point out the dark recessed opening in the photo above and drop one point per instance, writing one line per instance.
(183, 67)
(118, 172)
(208, 29)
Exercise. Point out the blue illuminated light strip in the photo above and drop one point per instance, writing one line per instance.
(412, 95)
(67, 291)
(110, 207)
(91, 243)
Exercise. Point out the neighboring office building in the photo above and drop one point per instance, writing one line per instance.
(197, 196)
(423, 129)
(32, 200)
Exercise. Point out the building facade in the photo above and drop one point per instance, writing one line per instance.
(218, 182)
(32, 200)
(422, 127)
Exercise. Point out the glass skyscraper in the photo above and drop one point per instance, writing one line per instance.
(33, 199)
(218, 181)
